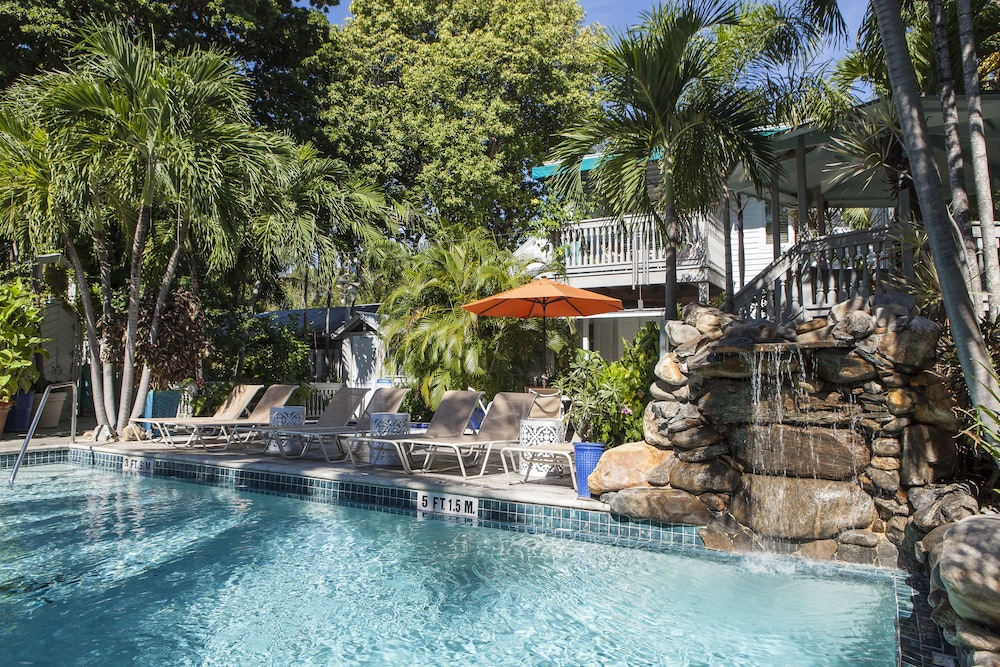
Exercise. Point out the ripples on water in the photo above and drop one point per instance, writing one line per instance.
(101, 569)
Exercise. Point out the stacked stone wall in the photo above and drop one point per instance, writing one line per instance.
(835, 440)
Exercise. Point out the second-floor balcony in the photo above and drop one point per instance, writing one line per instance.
(609, 253)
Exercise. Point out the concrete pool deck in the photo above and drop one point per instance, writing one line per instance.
(554, 491)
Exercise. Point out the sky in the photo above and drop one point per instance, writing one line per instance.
(620, 14)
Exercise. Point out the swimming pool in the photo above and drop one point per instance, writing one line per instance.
(102, 568)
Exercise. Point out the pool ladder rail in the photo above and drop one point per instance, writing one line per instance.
(38, 414)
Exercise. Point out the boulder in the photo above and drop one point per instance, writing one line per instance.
(843, 366)
(679, 333)
(780, 449)
(855, 326)
(886, 447)
(699, 454)
(706, 319)
(664, 505)
(801, 509)
(710, 476)
(625, 466)
(661, 391)
(660, 475)
(929, 455)
(936, 506)
(697, 437)
(668, 370)
(967, 563)
(910, 343)
(654, 418)
(885, 480)
(840, 311)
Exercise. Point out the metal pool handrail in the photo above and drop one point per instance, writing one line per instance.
(38, 415)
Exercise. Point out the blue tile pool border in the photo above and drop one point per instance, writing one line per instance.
(920, 643)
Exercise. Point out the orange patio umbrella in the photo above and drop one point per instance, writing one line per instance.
(544, 298)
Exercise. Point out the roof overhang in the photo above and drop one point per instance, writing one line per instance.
(821, 160)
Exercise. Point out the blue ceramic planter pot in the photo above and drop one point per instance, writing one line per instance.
(586, 455)
(19, 418)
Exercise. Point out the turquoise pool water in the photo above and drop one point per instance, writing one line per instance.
(98, 568)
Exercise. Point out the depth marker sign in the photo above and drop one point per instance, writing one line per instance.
(446, 503)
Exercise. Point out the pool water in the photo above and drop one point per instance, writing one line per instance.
(98, 568)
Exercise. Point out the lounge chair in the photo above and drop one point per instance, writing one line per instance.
(554, 454)
(274, 396)
(501, 426)
(383, 399)
(548, 403)
(340, 412)
(234, 406)
(450, 420)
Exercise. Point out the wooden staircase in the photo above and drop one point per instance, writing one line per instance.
(812, 276)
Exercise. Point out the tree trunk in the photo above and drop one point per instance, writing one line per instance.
(977, 367)
(108, 314)
(90, 321)
(980, 163)
(154, 325)
(132, 325)
(741, 240)
(953, 147)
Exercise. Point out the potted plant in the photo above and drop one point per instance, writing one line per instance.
(20, 341)
(607, 400)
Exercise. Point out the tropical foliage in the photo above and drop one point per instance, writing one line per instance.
(607, 400)
(131, 157)
(20, 318)
(275, 43)
(667, 112)
(435, 344)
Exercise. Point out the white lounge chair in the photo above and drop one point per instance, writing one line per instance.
(501, 426)
(232, 408)
(383, 399)
(200, 428)
(451, 419)
(340, 412)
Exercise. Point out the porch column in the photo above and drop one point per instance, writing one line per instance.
(775, 215)
(820, 201)
(802, 187)
(703, 293)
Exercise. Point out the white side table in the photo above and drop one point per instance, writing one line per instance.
(292, 415)
(536, 432)
(387, 423)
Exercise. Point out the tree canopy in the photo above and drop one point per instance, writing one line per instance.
(275, 41)
(455, 102)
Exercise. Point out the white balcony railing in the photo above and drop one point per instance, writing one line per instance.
(631, 250)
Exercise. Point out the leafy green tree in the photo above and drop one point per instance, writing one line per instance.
(436, 344)
(276, 43)
(666, 107)
(455, 102)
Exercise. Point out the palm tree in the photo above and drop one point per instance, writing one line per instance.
(668, 112)
(439, 346)
(977, 367)
(980, 162)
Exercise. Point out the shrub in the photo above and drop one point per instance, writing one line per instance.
(608, 399)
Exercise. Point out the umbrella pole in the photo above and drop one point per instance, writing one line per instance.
(545, 351)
